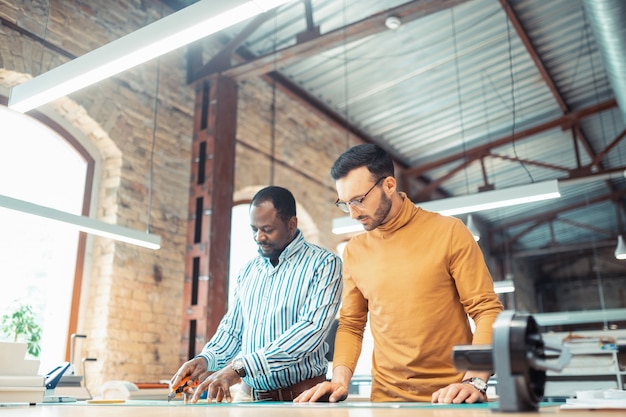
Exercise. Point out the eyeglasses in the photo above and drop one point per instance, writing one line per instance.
(357, 202)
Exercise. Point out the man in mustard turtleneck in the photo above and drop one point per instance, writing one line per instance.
(419, 275)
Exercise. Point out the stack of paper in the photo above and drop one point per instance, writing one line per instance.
(19, 382)
(124, 390)
(610, 399)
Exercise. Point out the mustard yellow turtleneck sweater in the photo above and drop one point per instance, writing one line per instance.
(418, 276)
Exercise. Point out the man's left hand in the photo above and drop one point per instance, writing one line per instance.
(217, 386)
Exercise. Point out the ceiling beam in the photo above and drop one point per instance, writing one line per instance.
(369, 26)
(587, 175)
(598, 159)
(584, 226)
(553, 250)
(546, 217)
(223, 59)
(242, 55)
(539, 222)
(530, 162)
(290, 88)
(530, 48)
(567, 120)
(424, 193)
(543, 71)
(549, 215)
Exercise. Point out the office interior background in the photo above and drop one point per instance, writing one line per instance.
(470, 97)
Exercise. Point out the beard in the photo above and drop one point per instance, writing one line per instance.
(271, 252)
(380, 214)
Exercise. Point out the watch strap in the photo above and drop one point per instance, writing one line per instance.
(238, 367)
(477, 383)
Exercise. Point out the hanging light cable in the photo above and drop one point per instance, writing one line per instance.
(152, 146)
(273, 108)
(470, 219)
(345, 73)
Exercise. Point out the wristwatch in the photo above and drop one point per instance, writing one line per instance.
(477, 383)
(238, 367)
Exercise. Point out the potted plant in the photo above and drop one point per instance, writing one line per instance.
(20, 325)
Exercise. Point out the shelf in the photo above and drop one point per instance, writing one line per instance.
(585, 372)
(610, 370)
(595, 359)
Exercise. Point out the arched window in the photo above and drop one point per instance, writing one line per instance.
(242, 245)
(40, 260)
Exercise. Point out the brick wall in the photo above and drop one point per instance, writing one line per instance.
(131, 302)
(306, 145)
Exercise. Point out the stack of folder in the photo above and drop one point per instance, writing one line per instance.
(19, 382)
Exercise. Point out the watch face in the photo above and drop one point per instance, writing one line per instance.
(238, 367)
(479, 384)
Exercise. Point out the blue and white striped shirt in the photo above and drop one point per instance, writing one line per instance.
(280, 317)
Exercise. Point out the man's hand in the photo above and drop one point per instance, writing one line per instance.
(190, 373)
(217, 385)
(457, 394)
(331, 392)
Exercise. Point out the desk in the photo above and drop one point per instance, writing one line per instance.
(360, 409)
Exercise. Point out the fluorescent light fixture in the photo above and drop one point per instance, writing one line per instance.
(593, 178)
(472, 227)
(84, 224)
(620, 250)
(486, 200)
(178, 29)
(580, 317)
(346, 224)
(504, 286)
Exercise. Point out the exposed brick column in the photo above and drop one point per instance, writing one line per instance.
(210, 203)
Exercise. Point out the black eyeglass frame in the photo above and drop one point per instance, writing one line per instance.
(356, 202)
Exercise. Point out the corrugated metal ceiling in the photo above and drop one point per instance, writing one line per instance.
(455, 86)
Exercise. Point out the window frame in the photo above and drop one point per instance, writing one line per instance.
(90, 168)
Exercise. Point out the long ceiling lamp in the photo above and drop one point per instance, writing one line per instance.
(181, 28)
(84, 224)
(194, 22)
(504, 286)
(486, 200)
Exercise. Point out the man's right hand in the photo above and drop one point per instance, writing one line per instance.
(193, 371)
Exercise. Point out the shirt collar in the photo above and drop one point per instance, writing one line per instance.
(292, 248)
(405, 215)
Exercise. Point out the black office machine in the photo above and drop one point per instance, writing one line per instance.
(518, 357)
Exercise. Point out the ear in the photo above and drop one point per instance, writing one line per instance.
(293, 224)
(389, 185)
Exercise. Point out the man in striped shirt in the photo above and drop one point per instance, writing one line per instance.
(285, 301)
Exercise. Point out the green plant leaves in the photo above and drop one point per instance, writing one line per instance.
(21, 325)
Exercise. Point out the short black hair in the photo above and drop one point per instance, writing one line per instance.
(375, 158)
(282, 199)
